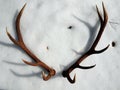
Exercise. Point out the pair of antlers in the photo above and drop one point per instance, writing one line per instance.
(51, 71)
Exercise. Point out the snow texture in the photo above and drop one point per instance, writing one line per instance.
(45, 23)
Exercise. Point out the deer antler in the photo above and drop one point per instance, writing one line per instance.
(91, 51)
(20, 43)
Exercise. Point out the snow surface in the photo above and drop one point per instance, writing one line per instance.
(45, 24)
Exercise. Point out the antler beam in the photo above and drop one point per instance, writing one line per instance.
(20, 43)
(91, 51)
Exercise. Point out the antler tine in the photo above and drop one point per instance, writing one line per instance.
(20, 39)
(105, 13)
(99, 14)
(66, 73)
(11, 38)
(20, 43)
(52, 71)
(48, 76)
(43, 74)
(32, 64)
(102, 27)
(86, 67)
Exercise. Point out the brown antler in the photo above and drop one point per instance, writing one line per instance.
(20, 43)
(91, 51)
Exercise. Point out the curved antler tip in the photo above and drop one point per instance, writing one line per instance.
(7, 31)
(108, 45)
(50, 74)
(96, 6)
(74, 79)
(105, 12)
(66, 75)
(97, 9)
(6, 28)
(24, 5)
(10, 37)
(21, 11)
(30, 63)
(43, 74)
(86, 67)
(45, 78)
(102, 3)
(24, 60)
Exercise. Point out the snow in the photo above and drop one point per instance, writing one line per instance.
(45, 23)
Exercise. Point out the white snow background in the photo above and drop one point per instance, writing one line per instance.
(45, 23)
